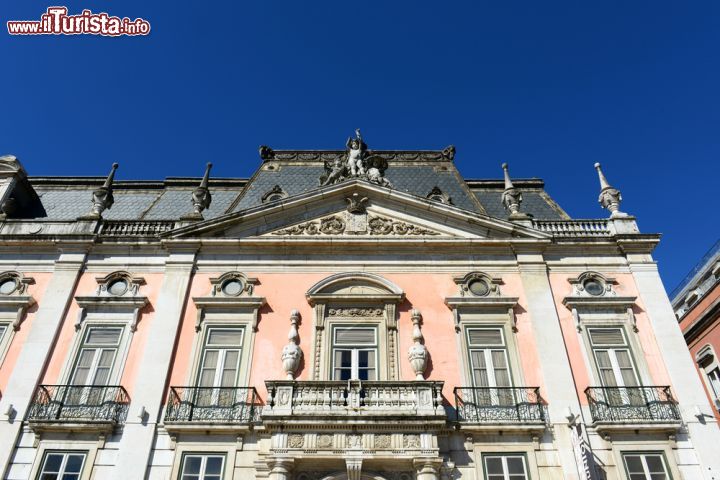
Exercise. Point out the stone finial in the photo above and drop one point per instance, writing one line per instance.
(201, 197)
(291, 353)
(610, 196)
(511, 196)
(266, 153)
(418, 353)
(102, 198)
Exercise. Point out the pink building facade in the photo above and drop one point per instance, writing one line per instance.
(350, 314)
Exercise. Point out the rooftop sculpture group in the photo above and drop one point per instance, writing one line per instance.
(358, 163)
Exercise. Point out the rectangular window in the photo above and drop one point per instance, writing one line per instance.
(221, 357)
(202, 467)
(354, 353)
(505, 467)
(646, 466)
(613, 357)
(714, 380)
(62, 466)
(220, 366)
(96, 356)
(488, 357)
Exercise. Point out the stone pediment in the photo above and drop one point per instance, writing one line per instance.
(355, 208)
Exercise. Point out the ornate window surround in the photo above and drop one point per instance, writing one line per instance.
(355, 298)
(220, 310)
(583, 305)
(107, 310)
(13, 307)
(17, 302)
(491, 310)
(608, 310)
(103, 300)
(88, 447)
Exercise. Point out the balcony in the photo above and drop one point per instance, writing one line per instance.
(518, 409)
(633, 408)
(212, 408)
(322, 402)
(78, 407)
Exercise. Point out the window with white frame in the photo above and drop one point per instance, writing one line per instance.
(613, 357)
(97, 355)
(505, 467)
(646, 466)
(354, 353)
(488, 357)
(57, 465)
(202, 467)
(220, 359)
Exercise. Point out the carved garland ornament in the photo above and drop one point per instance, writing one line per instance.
(335, 226)
(385, 226)
(356, 312)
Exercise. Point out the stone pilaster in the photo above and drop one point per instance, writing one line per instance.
(686, 386)
(558, 386)
(281, 468)
(38, 347)
(147, 392)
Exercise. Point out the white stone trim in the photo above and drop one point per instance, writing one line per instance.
(207, 448)
(89, 447)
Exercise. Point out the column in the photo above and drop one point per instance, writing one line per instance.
(558, 386)
(427, 468)
(281, 468)
(686, 385)
(37, 348)
(147, 392)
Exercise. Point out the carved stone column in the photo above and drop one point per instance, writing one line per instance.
(427, 468)
(281, 468)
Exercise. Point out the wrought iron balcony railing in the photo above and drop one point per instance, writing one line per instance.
(499, 405)
(354, 398)
(239, 405)
(79, 404)
(632, 405)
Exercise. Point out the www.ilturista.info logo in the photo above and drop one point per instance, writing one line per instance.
(56, 21)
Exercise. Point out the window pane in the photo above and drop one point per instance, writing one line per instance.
(106, 358)
(103, 336)
(516, 465)
(355, 336)
(82, 368)
(53, 462)
(71, 476)
(607, 336)
(363, 358)
(655, 463)
(192, 465)
(231, 336)
(343, 358)
(214, 465)
(485, 336)
(49, 476)
(493, 465)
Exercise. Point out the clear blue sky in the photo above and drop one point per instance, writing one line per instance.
(549, 87)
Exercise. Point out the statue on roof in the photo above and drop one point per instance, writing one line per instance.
(358, 162)
(356, 150)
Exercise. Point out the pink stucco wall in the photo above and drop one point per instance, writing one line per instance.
(650, 352)
(87, 285)
(286, 291)
(37, 290)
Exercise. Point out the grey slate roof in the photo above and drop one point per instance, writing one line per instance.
(296, 172)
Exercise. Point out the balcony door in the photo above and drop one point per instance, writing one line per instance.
(354, 353)
(96, 356)
(220, 366)
(489, 366)
(616, 367)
